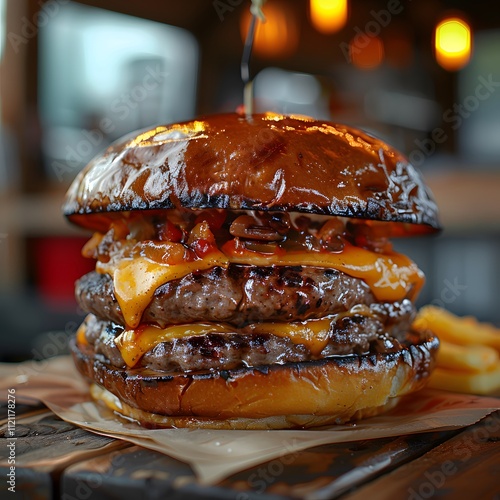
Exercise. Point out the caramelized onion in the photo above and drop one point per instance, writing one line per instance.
(279, 221)
(256, 246)
(246, 226)
(167, 252)
(201, 232)
(370, 235)
(90, 249)
(330, 235)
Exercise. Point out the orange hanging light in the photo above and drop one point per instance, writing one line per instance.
(328, 16)
(452, 41)
(369, 55)
(278, 35)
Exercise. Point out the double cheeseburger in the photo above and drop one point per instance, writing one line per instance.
(244, 276)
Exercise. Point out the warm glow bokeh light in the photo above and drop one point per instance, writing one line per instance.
(276, 37)
(453, 43)
(370, 55)
(328, 16)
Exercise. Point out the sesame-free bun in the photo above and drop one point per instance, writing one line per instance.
(263, 162)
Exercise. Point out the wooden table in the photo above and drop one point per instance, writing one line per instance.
(56, 460)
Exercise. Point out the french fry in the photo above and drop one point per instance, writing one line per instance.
(462, 331)
(468, 359)
(472, 383)
(472, 359)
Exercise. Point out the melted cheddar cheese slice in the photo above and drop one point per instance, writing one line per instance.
(135, 281)
(134, 343)
(391, 277)
(312, 333)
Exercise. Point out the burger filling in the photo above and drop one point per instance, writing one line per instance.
(216, 289)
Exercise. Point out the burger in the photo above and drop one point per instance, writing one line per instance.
(245, 277)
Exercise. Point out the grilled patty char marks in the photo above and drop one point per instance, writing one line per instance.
(237, 295)
(240, 295)
(381, 331)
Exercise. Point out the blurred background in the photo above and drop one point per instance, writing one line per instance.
(76, 75)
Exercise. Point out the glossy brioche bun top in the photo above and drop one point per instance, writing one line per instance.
(263, 162)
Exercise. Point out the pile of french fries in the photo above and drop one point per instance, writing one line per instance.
(468, 359)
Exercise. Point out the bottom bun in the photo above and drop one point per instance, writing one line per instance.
(155, 421)
(293, 395)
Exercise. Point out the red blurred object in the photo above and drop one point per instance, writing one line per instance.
(59, 263)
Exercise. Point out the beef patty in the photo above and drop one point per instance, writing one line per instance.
(351, 334)
(237, 295)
